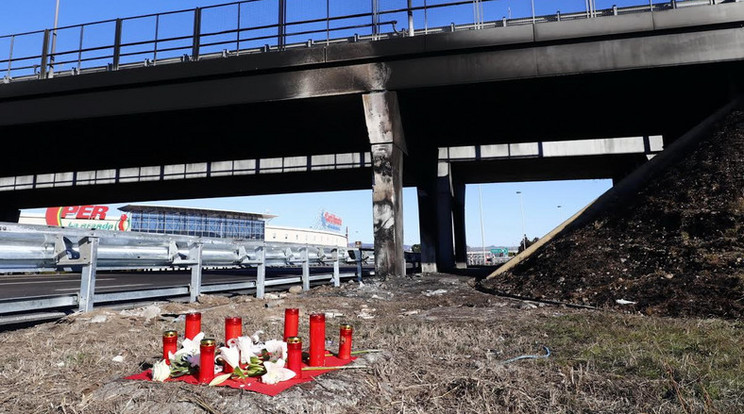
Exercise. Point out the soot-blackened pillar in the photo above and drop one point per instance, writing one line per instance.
(388, 148)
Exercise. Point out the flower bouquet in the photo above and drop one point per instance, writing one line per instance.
(248, 356)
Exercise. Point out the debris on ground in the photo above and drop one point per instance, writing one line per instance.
(676, 248)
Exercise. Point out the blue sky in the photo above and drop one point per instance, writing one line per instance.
(501, 209)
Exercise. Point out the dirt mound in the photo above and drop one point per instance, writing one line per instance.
(675, 248)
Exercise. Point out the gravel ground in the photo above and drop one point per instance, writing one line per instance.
(443, 345)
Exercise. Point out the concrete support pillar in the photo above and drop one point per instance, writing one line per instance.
(10, 215)
(388, 147)
(445, 242)
(458, 219)
(428, 208)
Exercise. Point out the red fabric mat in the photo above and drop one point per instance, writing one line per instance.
(254, 383)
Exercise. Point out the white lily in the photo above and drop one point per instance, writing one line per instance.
(275, 372)
(247, 349)
(231, 355)
(192, 346)
(190, 350)
(160, 371)
(277, 349)
(256, 336)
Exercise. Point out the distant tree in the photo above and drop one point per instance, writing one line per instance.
(525, 243)
(416, 248)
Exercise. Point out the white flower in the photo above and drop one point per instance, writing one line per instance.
(192, 346)
(247, 349)
(256, 337)
(231, 355)
(160, 371)
(277, 349)
(190, 350)
(275, 372)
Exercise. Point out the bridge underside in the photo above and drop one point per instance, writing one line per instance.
(665, 101)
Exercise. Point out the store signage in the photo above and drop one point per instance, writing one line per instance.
(86, 217)
(330, 221)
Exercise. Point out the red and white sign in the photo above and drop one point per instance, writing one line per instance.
(88, 217)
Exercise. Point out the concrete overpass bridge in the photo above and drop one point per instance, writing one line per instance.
(388, 111)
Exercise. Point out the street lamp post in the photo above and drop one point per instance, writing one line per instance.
(521, 209)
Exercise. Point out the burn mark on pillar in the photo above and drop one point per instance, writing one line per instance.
(387, 148)
(384, 199)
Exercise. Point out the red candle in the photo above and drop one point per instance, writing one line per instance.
(294, 355)
(206, 361)
(344, 343)
(193, 324)
(233, 329)
(291, 322)
(170, 344)
(317, 340)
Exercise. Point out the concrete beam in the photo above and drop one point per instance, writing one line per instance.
(385, 130)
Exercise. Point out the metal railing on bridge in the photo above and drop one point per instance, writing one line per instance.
(255, 26)
(31, 248)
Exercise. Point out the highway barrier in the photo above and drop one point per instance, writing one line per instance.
(33, 248)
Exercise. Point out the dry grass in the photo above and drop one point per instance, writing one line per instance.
(441, 354)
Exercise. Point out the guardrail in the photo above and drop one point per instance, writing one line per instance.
(221, 31)
(45, 248)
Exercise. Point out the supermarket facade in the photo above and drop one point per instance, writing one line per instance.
(188, 221)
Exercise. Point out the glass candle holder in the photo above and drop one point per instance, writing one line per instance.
(206, 361)
(344, 343)
(294, 355)
(233, 329)
(291, 322)
(193, 324)
(317, 340)
(170, 344)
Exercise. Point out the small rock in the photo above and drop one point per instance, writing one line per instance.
(527, 306)
(118, 358)
(437, 292)
(296, 289)
(274, 303)
(271, 296)
(98, 319)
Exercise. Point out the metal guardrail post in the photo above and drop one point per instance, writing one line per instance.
(89, 255)
(261, 273)
(359, 265)
(305, 269)
(44, 55)
(117, 45)
(195, 254)
(336, 273)
(197, 34)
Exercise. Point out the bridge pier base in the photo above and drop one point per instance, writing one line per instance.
(388, 147)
